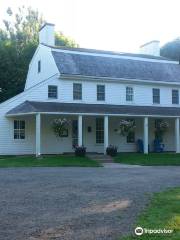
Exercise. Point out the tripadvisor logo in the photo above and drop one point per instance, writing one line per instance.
(140, 231)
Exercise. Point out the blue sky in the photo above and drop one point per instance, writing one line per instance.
(120, 25)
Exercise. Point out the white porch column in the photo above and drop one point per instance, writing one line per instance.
(38, 134)
(146, 135)
(106, 133)
(80, 141)
(177, 139)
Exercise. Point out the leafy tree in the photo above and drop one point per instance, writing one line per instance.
(18, 42)
(62, 40)
(171, 50)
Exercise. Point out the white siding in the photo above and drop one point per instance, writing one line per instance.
(48, 66)
(115, 93)
(7, 144)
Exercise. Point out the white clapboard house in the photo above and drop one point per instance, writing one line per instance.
(94, 89)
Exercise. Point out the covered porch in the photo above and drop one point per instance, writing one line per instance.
(84, 120)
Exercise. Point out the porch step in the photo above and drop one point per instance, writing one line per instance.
(101, 158)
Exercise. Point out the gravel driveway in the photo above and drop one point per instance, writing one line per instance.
(77, 203)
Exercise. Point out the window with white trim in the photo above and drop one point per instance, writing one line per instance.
(175, 96)
(19, 129)
(100, 93)
(39, 66)
(77, 91)
(99, 130)
(52, 91)
(129, 94)
(156, 95)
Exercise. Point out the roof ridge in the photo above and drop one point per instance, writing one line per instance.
(30, 104)
(91, 50)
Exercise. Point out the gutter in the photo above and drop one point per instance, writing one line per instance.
(116, 80)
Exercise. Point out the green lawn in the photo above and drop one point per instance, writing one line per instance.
(162, 213)
(47, 161)
(151, 159)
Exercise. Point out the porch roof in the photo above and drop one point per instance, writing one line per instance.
(32, 107)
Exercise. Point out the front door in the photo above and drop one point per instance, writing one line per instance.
(74, 133)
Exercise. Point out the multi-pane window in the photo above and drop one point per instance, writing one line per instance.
(19, 129)
(77, 91)
(175, 96)
(99, 130)
(39, 66)
(156, 95)
(100, 92)
(129, 94)
(52, 91)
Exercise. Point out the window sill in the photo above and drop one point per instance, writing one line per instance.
(156, 104)
(19, 140)
(76, 100)
(52, 98)
(130, 102)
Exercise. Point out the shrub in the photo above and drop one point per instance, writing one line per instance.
(111, 150)
(80, 151)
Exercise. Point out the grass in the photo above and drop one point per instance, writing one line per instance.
(163, 212)
(47, 161)
(151, 159)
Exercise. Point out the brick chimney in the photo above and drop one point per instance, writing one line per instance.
(151, 48)
(46, 34)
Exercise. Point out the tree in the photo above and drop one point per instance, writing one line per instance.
(171, 50)
(18, 42)
(62, 40)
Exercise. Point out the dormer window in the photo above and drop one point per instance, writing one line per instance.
(39, 66)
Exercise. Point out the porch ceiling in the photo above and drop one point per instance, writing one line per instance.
(31, 107)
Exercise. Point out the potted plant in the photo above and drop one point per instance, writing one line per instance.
(80, 151)
(111, 150)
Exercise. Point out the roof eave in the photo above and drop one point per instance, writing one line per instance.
(110, 79)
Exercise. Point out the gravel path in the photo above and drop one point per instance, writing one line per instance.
(77, 203)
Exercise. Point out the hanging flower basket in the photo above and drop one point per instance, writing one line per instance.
(60, 126)
(126, 126)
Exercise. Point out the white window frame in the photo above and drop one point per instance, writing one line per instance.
(130, 94)
(39, 66)
(53, 92)
(101, 93)
(159, 97)
(177, 96)
(19, 130)
(77, 92)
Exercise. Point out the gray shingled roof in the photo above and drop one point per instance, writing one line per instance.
(89, 50)
(48, 107)
(100, 66)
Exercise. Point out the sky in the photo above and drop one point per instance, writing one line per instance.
(117, 25)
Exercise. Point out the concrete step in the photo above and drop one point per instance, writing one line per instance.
(101, 158)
